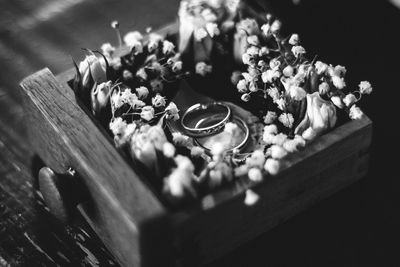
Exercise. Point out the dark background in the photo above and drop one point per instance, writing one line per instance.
(358, 226)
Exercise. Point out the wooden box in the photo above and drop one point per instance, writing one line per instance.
(130, 218)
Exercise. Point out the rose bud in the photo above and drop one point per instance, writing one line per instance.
(94, 66)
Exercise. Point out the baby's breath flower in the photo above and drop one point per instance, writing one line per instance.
(200, 34)
(290, 145)
(272, 166)
(277, 152)
(268, 138)
(107, 49)
(217, 150)
(349, 100)
(266, 29)
(127, 75)
(255, 174)
(270, 117)
(253, 40)
(245, 97)
(168, 150)
(298, 51)
(117, 126)
(281, 103)
(279, 139)
(142, 92)
(212, 29)
(337, 101)
(203, 69)
(172, 111)
(147, 113)
(365, 87)
(252, 51)
(297, 93)
(288, 71)
(338, 82)
(270, 129)
(168, 47)
(309, 134)
(263, 51)
(158, 101)
(248, 26)
(269, 76)
(251, 198)
(132, 38)
(294, 39)
(340, 70)
(321, 67)
(286, 119)
(177, 66)
(242, 86)
(300, 141)
(246, 58)
(355, 113)
(274, 64)
(323, 88)
(247, 77)
(156, 85)
(180, 139)
(196, 151)
(141, 73)
(256, 159)
(273, 93)
(276, 26)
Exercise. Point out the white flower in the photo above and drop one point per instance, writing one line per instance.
(338, 82)
(212, 29)
(179, 182)
(277, 152)
(154, 40)
(168, 150)
(300, 141)
(251, 198)
(118, 126)
(263, 51)
(100, 95)
(270, 117)
(309, 134)
(323, 88)
(231, 128)
(156, 85)
(339, 70)
(270, 129)
(268, 138)
(321, 67)
(172, 111)
(203, 69)
(252, 51)
(355, 113)
(349, 100)
(200, 34)
(241, 170)
(279, 139)
(297, 93)
(168, 47)
(242, 86)
(131, 38)
(158, 101)
(147, 113)
(281, 103)
(246, 58)
(274, 64)
(131, 99)
(255, 175)
(288, 71)
(247, 77)
(294, 39)
(217, 150)
(253, 40)
(273, 93)
(365, 87)
(247, 26)
(196, 151)
(94, 66)
(141, 73)
(256, 159)
(142, 92)
(286, 119)
(298, 50)
(276, 26)
(266, 29)
(209, 15)
(337, 101)
(290, 145)
(107, 49)
(272, 166)
(181, 139)
(269, 75)
(245, 97)
(177, 66)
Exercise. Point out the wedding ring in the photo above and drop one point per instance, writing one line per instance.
(205, 119)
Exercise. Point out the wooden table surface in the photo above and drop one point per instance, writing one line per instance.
(356, 227)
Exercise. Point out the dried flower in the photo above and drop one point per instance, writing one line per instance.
(147, 113)
(272, 166)
(355, 113)
(270, 117)
(158, 101)
(286, 119)
(365, 87)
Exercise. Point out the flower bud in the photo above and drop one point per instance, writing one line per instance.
(100, 95)
(245, 97)
(94, 66)
(349, 100)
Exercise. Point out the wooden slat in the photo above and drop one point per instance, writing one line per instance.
(63, 135)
